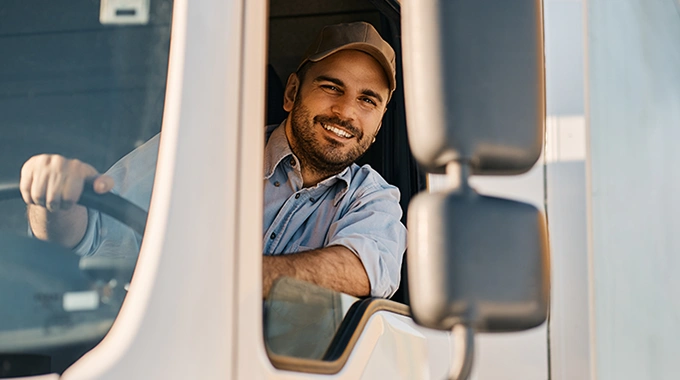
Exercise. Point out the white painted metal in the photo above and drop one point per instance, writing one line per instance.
(633, 97)
(569, 331)
(404, 350)
(176, 321)
(565, 154)
(391, 347)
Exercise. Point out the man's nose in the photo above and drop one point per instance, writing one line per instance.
(344, 108)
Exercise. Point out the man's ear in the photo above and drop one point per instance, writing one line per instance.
(379, 125)
(376, 131)
(291, 92)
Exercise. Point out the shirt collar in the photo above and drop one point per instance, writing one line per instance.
(345, 176)
(277, 149)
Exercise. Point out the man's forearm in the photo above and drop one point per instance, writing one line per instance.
(334, 267)
(66, 227)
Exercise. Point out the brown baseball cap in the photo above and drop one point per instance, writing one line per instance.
(360, 36)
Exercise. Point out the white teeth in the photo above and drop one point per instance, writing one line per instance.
(337, 131)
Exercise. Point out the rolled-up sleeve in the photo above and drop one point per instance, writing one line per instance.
(105, 236)
(92, 238)
(133, 177)
(90, 241)
(372, 229)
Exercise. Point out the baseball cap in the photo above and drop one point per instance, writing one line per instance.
(360, 36)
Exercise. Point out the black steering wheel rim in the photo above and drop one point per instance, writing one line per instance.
(111, 204)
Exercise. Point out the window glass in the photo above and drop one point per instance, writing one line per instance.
(82, 81)
(302, 319)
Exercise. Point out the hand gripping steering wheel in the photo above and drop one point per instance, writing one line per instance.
(111, 204)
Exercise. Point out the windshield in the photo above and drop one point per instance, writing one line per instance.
(84, 81)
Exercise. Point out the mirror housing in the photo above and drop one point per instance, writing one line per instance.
(474, 83)
(478, 261)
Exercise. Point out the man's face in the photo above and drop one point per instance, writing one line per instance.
(336, 111)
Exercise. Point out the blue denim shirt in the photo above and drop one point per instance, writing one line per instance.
(356, 209)
(133, 177)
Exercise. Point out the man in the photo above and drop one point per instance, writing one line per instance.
(340, 220)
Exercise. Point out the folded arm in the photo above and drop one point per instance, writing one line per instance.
(363, 252)
(334, 267)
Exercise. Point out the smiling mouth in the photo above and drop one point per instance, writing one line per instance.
(337, 131)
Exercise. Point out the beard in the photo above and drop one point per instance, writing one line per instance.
(327, 157)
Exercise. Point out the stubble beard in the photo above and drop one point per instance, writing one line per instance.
(324, 160)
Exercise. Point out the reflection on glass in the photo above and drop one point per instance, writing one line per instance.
(301, 319)
(73, 87)
(57, 299)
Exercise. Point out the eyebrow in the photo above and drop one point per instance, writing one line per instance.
(366, 91)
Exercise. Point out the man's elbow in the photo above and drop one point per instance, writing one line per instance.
(384, 292)
(385, 287)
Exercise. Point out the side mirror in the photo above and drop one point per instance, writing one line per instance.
(478, 261)
(474, 83)
(475, 105)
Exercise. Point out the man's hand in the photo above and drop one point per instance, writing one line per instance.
(51, 186)
(55, 182)
(334, 267)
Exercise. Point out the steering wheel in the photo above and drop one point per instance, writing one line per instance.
(37, 278)
(35, 255)
(111, 204)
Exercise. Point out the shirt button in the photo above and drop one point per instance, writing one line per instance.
(292, 162)
(311, 199)
(273, 235)
(297, 196)
(277, 184)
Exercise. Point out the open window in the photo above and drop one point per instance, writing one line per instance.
(308, 328)
(292, 27)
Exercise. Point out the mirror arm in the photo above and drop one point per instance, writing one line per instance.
(458, 174)
(463, 352)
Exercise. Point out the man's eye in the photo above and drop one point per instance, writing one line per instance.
(369, 101)
(330, 87)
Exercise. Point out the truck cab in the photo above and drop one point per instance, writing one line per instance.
(95, 80)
